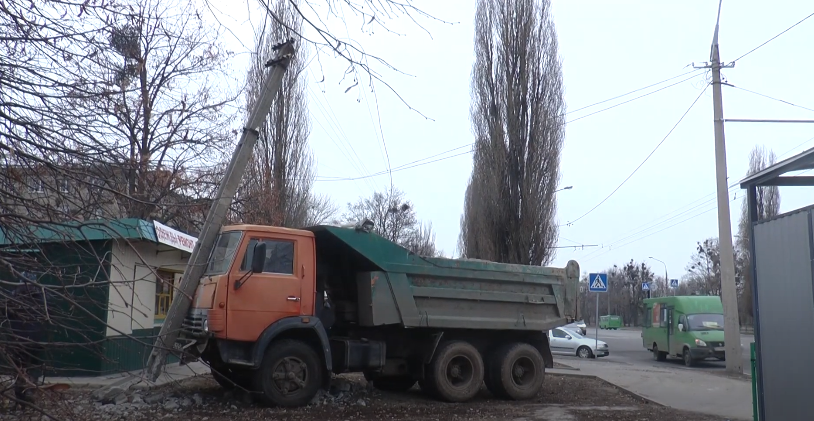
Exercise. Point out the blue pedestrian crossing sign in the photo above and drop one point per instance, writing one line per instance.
(645, 286)
(598, 282)
(673, 283)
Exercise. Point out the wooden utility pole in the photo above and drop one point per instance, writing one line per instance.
(729, 292)
(217, 212)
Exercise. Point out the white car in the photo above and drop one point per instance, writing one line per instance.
(579, 326)
(565, 341)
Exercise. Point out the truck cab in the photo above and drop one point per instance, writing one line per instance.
(235, 303)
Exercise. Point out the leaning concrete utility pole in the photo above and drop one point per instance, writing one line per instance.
(729, 292)
(217, 212)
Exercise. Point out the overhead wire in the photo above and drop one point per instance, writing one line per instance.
(653, 233)
(402, 167)
(772, 38)
(632, 99)
(645, 159)
(633, 91)
(772, 98)
(660, 221)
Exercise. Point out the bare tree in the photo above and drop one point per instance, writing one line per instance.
(394, 219)
(319, 16)
(768, 206)
(276, 189)
(163, 113)
(517, 117)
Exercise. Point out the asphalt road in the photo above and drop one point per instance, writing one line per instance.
(626, 346)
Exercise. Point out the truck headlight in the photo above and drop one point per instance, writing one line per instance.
(206, 326)
(699, 342)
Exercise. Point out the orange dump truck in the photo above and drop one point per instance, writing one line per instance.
(278, 310)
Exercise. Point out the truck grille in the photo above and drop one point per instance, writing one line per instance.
(194, 323)
(715, 344)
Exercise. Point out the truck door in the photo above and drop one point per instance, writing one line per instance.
(264, 298)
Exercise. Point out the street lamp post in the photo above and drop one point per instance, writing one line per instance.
(564, 188)
(666, 279)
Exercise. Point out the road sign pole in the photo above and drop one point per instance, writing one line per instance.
(596, 328)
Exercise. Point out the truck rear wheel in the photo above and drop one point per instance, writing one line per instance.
(515, 371)
(290, 374)
(456, 372)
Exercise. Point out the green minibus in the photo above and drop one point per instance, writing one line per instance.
(686, 327)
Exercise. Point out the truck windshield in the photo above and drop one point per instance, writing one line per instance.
(223, 253)
(705, 322)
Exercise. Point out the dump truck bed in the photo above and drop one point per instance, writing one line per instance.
(388, 285)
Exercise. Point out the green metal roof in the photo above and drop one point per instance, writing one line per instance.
(96, 230)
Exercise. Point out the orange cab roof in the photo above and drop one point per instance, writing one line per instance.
(267, 228)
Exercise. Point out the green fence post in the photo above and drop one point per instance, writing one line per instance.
(755, 414)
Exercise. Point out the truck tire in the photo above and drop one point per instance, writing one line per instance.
(516, 371)
(290, 374)
(456, 372)
(390, 383)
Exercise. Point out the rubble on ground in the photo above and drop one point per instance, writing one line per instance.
(350, 397)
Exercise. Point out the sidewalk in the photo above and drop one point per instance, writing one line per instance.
(172, 373)
(681, 389)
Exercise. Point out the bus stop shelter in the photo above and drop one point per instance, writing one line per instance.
(782, 258)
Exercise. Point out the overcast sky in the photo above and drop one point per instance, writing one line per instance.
(607, 49)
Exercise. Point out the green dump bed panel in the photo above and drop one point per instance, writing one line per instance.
(394, 286)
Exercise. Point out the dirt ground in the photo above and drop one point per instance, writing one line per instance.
(564, 398)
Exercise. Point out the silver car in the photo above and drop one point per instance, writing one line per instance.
(565, 341)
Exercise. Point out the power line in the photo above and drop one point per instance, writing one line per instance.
(704, 200)
(653, 233)
(633, 99)
(661, 220)
(773, 38)
(645, 159)
(402, 167)
(632, 92)
(772, 98)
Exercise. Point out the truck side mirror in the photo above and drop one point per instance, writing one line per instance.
(681, 327)
(259, 257)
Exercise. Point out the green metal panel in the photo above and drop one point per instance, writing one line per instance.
(129, 352)
(78, 309)
(755, 413)
(451, 293)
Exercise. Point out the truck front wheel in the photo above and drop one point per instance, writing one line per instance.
(456, 372)
(290, 374)
(516, 371)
